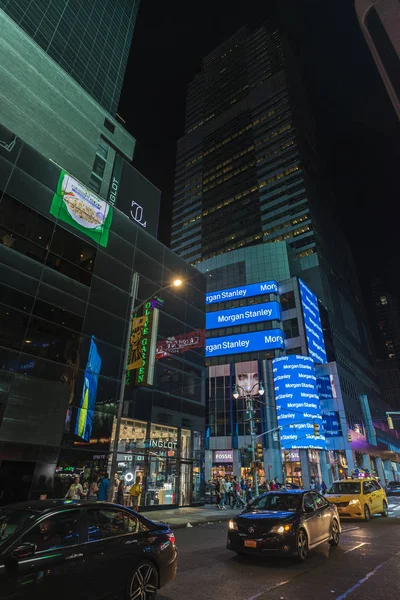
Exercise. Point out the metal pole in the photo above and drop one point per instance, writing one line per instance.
(250, 408)
(114, 451)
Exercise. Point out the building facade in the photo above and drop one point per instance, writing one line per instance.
(68, 259)
(90, 41)
(380, 24)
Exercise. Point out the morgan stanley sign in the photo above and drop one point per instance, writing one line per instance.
(246, 291)
(245, 342)
(243, 315)
(312, 324)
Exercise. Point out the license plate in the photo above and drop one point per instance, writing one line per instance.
(250, 543)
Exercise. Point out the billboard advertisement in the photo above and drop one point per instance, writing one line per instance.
(79, 207)
(244, 342)
(243, 315)
(312, 324)
(331, 423)
(181, 343)
(135, 196)
(85, 414)
(138, 330)
(247, 378)
(297, 402)
(244, 291)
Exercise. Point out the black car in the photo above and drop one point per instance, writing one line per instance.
(284, 523)
(393, 488)
(72, 549)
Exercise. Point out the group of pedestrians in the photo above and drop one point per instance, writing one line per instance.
(99, 490)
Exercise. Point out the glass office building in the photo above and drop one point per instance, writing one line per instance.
(89, 40)
(67, 263)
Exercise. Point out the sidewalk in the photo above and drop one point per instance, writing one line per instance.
(180, 517)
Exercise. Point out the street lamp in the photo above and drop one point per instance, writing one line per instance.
(250, 409)
(176, 283)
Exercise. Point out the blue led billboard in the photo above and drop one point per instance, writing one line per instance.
(312, 324)
(244, 342)
(243, 315)
(84, 419)
(244, 291)
(297, 402)
(331, 423)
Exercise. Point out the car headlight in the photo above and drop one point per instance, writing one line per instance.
(281, 528)
(354, 501)
(232, 525)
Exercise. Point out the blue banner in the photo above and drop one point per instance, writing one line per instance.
(331, 423)
(243, 315)
(85, 414)
(297, 402)
(244, 291)
(312, 324)
(244, 342)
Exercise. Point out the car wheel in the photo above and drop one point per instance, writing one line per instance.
(367, 513)
(385, 512)
(301, 545)
(144, 582)
(334, 541)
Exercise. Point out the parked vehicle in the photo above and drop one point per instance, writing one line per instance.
(284, 523)
(358, 498)
(393, 488)
(92, 550)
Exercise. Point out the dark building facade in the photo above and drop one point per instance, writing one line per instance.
(89, 40)
(66, 273)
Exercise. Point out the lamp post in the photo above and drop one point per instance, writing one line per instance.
(132, 311)
(251, 409)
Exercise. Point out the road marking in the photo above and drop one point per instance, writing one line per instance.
(355, 547)
(364, 579)
(268, 589)
(350, 529)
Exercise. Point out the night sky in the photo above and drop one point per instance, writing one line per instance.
(358, 131)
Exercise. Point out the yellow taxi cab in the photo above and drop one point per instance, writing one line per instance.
(358, 498)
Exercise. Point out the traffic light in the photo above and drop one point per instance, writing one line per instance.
(349, 437)
(259, 452)
(316, 430)
(390, 422)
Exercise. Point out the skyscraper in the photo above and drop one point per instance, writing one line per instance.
(380, 24)
(89, 40)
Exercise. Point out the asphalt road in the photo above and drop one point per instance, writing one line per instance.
(366, 564)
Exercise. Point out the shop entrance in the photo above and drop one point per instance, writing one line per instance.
(15, 481)
(185, 485)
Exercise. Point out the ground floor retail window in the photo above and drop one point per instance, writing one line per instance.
(223, 470)
(161, 482)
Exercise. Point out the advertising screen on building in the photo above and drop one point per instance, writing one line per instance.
(84, 419)
(312, 324)
(244, 342)
(297, 402)
(135, 196)
(243, 315)
(331, 423)
(79, 207)
(244, 291)
(247, 378)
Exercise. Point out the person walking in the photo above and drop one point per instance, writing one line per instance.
(277, 484)
(222, 487)
(323, 488)
(75, 490)
(134, 494)
(229, 495)
(93, 490)
(218, 492)
(249, 491)
(104, 486)
(120, 492)
(243, 487)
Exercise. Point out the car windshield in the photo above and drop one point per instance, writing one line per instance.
(12, 521)
(345, 487)
(277, 502)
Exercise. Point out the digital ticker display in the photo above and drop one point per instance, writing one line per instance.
(312, 324)
(255, 313)
(244, 291)
(297, 402)
(244, 342)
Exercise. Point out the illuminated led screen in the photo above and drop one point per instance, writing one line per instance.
(244, 291)
(243, 315)
(244, 342)
(312, 324)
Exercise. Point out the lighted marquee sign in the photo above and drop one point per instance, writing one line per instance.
(297, 402)
(243, 315)
(244, 291)
(181, 343)
(312, 324)
(244, 342)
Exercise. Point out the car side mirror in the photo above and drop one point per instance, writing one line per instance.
(308, 509)
(25, 550)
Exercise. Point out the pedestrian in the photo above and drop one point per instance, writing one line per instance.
(229, 495)
(93, 490)
(236, 491)
(323, 488)
(104, 486)
(277, 484)
(312, 485)
(222, 487)
(272, 486)
(243, 487)
(120, 492)
(218, 493)
(134, 494)
(75, 490)
(249, 491)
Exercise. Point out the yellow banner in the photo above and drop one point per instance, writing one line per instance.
(135, 359)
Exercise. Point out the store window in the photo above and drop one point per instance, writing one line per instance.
(292, 467)
(186, 439)
(161, 482)
(163, 440)
(132, 435)
(197, 492)
(288, 301)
